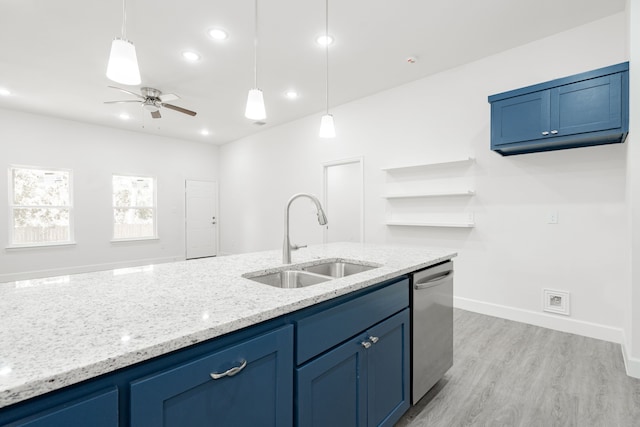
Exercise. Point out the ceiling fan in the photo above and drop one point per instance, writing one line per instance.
(152, 100)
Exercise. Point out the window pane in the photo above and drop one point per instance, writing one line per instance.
(36, 187)
(133, 223)
(44, 225)
(132, 191)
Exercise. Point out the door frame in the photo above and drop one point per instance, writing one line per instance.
(325, 197)
(216, 210)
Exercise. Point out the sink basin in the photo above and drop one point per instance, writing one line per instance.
(290, 279)
(337, 269)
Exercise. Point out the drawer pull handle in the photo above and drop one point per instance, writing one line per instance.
(554, 132)
(366, 344)
(374, 339)
(545, 133)
(231, 372)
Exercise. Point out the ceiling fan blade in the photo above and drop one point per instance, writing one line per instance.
(155, 114)
(118, 102)
(180, 109)
(127, 91)
(166, 97)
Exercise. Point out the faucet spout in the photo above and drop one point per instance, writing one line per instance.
(322, 220)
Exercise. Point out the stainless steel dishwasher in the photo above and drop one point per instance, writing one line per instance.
(431, 327)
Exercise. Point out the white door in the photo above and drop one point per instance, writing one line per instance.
(201, 219)
(343, 199)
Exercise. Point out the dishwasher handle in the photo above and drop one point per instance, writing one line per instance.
(433, 280)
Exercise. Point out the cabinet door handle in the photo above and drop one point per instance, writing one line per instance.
(554, 132)
(366, 344)
(545, 133)
(231, 372)
(374, 339)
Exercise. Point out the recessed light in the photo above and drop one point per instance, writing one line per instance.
(125, 116)
(191, 56)
(291, 94)
(324, 40)
(4, 92)
(204, 132)
(218, 34)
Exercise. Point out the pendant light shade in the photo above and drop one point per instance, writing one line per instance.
(255, 100)
(327, 130)
(255, 105)
(123, 63)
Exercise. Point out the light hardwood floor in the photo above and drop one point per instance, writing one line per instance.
(517, 375)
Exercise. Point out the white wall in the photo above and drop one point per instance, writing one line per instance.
(94, 153)
(512, 253)
(632, 297)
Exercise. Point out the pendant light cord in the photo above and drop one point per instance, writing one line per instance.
(255, 45)
(326, 35)
(124, 19)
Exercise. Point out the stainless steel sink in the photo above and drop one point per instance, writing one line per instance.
(290, 279)
(337, 269)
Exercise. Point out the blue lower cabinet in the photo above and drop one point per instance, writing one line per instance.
(362, 382)
(97, 410)
(388, 370)
(249, 384)
(332, 389)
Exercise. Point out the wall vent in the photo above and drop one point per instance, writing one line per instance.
(556, 301)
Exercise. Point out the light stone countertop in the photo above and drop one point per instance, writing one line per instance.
(63, 330)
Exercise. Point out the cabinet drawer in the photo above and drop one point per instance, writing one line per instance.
(98, 410)
(324, 330)
(258, 394)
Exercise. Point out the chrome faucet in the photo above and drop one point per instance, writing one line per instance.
(322, 220)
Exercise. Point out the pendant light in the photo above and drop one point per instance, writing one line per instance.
(123, 63)
(327, 129)
(255, 101)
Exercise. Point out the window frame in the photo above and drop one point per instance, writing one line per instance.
(12, 206)
(154, 209)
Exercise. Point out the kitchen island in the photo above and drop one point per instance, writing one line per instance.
(66, 330)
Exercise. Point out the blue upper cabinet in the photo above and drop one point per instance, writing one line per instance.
(591, 108)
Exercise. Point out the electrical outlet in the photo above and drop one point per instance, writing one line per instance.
(554, 301)
(552, 217)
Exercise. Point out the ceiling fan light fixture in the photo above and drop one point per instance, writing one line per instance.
(123, 63)
(255, 105)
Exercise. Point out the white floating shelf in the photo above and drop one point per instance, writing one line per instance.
(432, 224)
(425, 165)
(432, 194)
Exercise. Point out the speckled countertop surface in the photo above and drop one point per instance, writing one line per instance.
(63, 330)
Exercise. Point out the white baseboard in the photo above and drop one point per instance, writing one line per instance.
(631, 364)
(11, 277)
(545, 320)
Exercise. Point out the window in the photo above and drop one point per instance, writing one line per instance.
(134, 207)
(41, 208)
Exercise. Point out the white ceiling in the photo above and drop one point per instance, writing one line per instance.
(53, 54)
